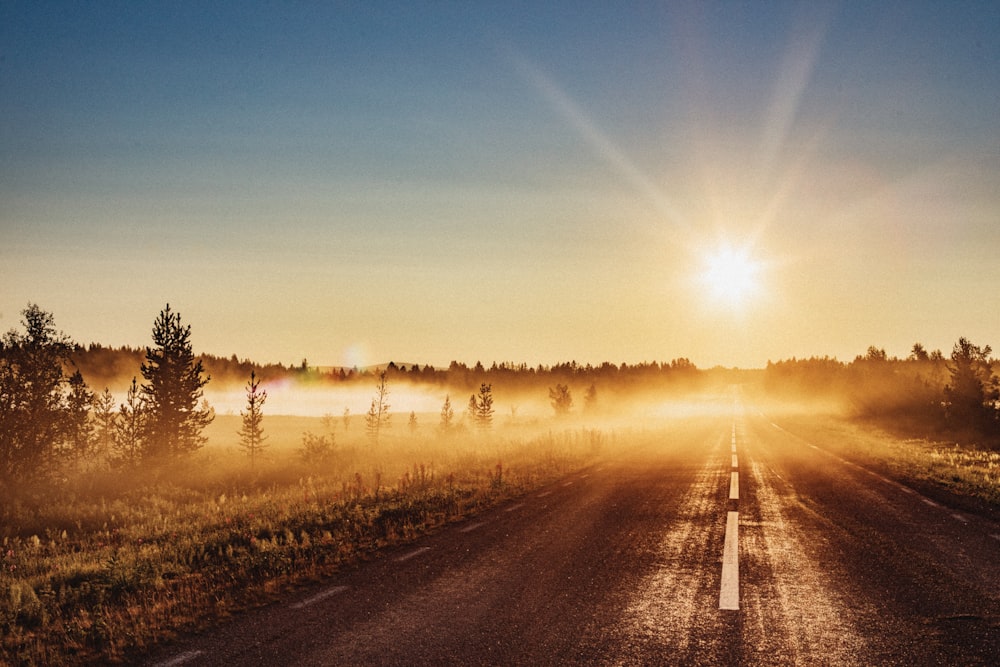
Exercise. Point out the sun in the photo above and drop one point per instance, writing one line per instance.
(731, 276)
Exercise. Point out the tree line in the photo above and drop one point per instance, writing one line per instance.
(103, 365)
(959, 394)
(49, 415)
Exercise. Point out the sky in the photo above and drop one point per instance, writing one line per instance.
(358, 182)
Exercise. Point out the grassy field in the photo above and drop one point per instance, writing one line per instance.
(110, 562)
(968, 471)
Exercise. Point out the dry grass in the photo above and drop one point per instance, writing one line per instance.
(965, 469)
(112, 562)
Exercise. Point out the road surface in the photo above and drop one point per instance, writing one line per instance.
(729, 541)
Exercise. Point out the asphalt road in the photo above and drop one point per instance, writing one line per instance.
(647, 558)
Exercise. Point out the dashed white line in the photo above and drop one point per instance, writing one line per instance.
(569, 483)
(959, 517)
(930, 502)
(729, 591)
(412, 554)
(735, 462)
(734, 486)
(471, 527)
(319, 596)
(543, 494)
(180, 659)
(514, 507)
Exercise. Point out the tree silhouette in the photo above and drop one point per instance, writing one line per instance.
(378, 414)
(447, 414)
(590, 398)
(105, 418)
(129, 427)
(972, 393)
(252, 433)
(79, 429)
(561, 399)
(34, 409)
(172, 391)
(481, 406)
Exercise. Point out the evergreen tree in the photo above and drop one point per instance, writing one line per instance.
(129, 427)
(172, 391)
(105, 418)
(561, 399)
(34, 410)
(79, 429)
(252, 433)
(447, 414)
(378, 415)
(482, 406)
(973, 391)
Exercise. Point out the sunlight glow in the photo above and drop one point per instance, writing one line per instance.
(731, 276)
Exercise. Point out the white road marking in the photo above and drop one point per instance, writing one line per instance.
(471, 527)
(180, 659)
(729, 592)
(543, 494)
(735, 463)
(882, 478)
(319, 596)
(734, 486)
(734, 447)
(995, 536)
(514, 507)
(415, 552)
(569, 483)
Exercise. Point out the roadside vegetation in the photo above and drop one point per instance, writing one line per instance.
(924, 395)
(968, 473)
(110, 562)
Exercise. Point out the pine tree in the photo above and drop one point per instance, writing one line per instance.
(973, 391)
(252, 434)
(34, 410)
(105, 418)
(129, 427)
(483, 412)
(378, 415)
(561, 399)
(172, 391)
(79, 429)
(447, 414)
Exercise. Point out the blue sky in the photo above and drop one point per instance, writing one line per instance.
(357, 182)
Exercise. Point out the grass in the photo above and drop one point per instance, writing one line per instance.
(110, 563)
(967, 470)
